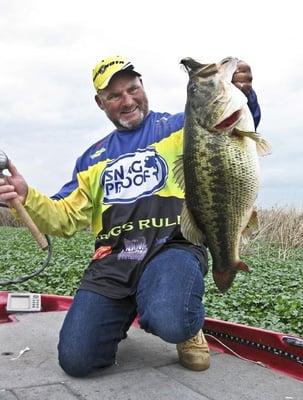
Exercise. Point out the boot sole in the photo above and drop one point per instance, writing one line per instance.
(194, 367)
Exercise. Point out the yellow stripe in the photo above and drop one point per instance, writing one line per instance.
(170, 148)
(91, 178)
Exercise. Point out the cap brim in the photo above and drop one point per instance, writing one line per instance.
(108, 79)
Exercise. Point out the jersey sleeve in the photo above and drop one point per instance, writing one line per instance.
(254, 107)
(65, 213)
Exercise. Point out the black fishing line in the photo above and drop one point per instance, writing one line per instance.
(38, 270)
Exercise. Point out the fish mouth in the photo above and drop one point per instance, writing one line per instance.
(229, 121)
(196, 69)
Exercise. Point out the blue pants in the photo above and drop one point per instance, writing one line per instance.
(168, 301)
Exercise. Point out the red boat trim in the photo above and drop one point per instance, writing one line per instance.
(257, 345)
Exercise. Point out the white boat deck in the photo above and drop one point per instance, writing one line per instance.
(147, 368)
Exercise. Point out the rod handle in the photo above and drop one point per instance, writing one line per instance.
(24, 216)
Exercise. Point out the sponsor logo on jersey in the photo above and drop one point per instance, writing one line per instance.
(135, 249)
(133, 176)
(102, 252)
(97, 153)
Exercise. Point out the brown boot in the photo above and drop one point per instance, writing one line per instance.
(194, 353)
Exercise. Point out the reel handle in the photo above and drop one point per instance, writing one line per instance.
(24, 216)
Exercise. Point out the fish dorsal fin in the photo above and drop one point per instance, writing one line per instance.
(263, 147)
(189, 228)
(179, 173)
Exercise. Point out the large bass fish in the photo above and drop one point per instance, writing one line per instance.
(219, 170)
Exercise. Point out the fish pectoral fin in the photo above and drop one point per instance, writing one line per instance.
(189, 228)
(179, 172)
(263, 147)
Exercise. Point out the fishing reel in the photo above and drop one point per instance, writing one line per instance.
(42, 240)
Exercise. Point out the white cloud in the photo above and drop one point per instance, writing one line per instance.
(48, 48)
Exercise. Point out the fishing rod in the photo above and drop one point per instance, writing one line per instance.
(42, 240)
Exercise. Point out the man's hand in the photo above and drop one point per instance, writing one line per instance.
(242, 78)
(13, 186)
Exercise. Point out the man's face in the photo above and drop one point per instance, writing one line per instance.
(124, 101)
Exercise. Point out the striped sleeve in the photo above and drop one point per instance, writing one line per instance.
(65, 215)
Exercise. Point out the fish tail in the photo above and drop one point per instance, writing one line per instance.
(224, 279)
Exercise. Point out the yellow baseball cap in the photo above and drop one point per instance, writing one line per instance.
(107, 68)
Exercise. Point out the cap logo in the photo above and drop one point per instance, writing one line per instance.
(103, 67)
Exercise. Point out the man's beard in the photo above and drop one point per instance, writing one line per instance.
(131, 125)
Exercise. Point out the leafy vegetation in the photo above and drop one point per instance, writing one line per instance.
(270, 297)
(19, 255)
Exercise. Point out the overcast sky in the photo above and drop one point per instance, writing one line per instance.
(48, 48)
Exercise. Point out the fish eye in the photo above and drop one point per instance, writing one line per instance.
(193, 87)
(226, 60)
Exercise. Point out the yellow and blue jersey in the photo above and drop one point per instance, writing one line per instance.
(124, 188)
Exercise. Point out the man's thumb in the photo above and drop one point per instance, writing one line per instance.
(12, 169)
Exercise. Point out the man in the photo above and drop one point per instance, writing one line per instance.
(124, 187)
